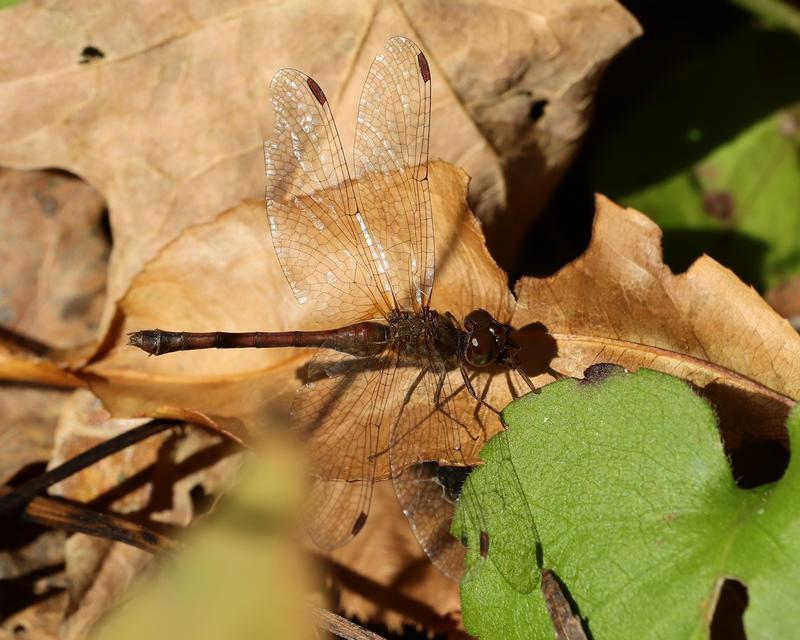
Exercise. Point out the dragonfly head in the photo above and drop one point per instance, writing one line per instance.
(488, 341)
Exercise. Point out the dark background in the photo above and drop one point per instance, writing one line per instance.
(710, 65)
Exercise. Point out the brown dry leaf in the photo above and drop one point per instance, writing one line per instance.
(164, 111)
(54, 257)
(620, 303)
(527, 77)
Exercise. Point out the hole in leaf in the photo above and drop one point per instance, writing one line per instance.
(90, 53)
(201, 501)
(759, 463)
(727, 621)
(105, 227)
(537, 110)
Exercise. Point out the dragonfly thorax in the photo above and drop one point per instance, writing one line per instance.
(431, 339)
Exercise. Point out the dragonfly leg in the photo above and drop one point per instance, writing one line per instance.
(513, 361)
(437, 396)
(406, 399)
(471, 390)
(526, 378)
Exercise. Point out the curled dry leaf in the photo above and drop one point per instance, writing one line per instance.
(620, 303)
(164, 112)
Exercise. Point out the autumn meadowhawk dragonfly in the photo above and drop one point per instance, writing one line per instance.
(358, 252)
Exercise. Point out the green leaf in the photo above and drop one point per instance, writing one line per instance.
(637, 513)
(712, 154)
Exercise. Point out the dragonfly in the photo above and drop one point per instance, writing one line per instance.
(358, 251)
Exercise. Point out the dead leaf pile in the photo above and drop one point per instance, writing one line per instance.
(166, 118)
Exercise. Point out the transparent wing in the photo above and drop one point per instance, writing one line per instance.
(504, 530)
(340, 415)
(428, 496)
(319, 235)
(440, 429)
(428, 493)
(391, 163)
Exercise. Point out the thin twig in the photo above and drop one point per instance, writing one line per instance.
(20, 496)
(341, 627)
(52, 512)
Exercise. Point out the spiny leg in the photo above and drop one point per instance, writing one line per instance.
(406, 399)
(471, 390)
(512, 360)
(525, 377)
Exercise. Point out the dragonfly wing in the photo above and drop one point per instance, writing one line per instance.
(503, 527)
(391, 162)
(427, 493)
(339, 414)
(337, 510)
(441, 414)
(317, 230)
(428, 480)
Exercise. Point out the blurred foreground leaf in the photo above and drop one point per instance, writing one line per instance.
(242, 575)
(638, 515)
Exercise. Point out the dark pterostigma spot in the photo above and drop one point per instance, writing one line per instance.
(484, 542)
(359, 523)
(537, 110)
(719, 205)
(599, 372)
(90, 54)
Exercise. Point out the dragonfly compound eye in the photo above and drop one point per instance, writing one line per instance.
(478, 317)
(482, 348)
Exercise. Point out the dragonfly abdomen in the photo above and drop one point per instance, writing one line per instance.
(360, 339)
